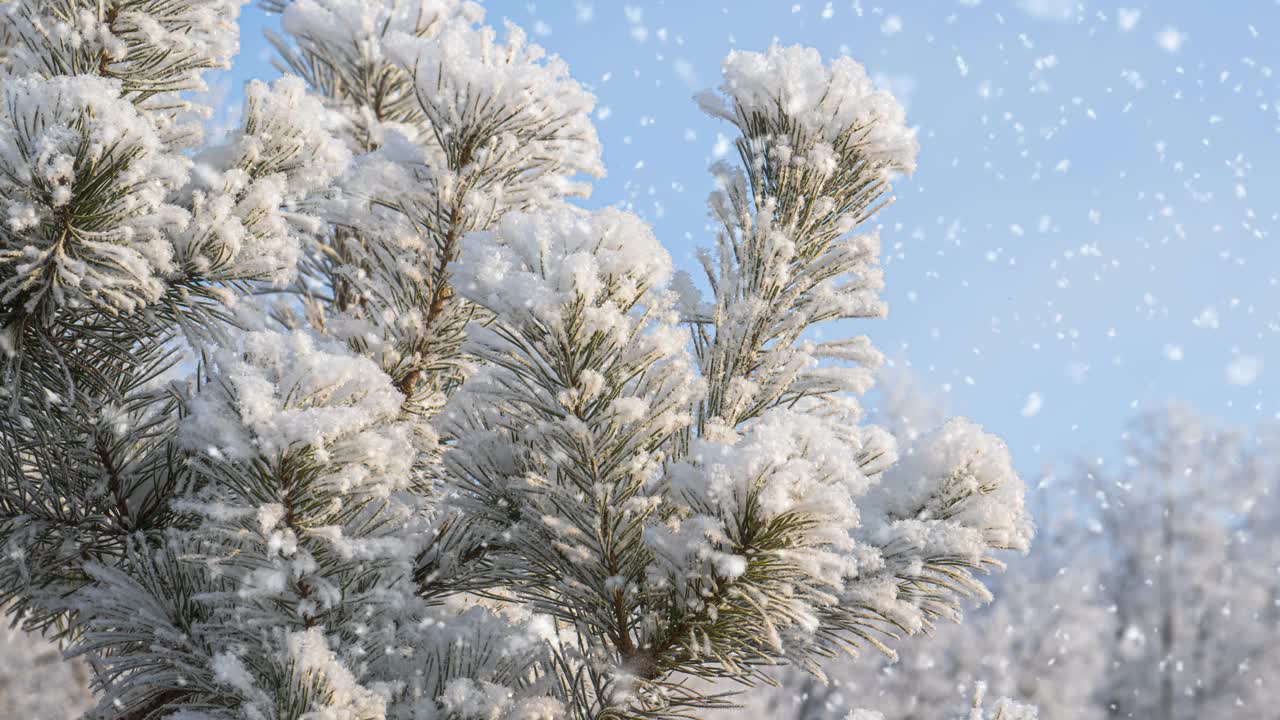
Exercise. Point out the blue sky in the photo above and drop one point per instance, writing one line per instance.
(1092, 228)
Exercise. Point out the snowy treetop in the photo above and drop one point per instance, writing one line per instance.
(535, 265)
(825, 101)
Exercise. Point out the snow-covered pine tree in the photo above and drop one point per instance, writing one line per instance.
(1044, 653)
(1160, 570)
(477, 453)
(1191, 531)
(115, 245)
(1040, 645)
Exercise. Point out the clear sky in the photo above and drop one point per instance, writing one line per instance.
(1092, 228)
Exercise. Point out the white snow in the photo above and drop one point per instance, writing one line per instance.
(1032, 406)
(1244, 370)
(1127, 18)
(1170, 39)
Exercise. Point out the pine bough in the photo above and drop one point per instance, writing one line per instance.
(352, 415)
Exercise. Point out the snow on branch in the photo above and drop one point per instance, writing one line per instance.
(84, 178)
(833, 105)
